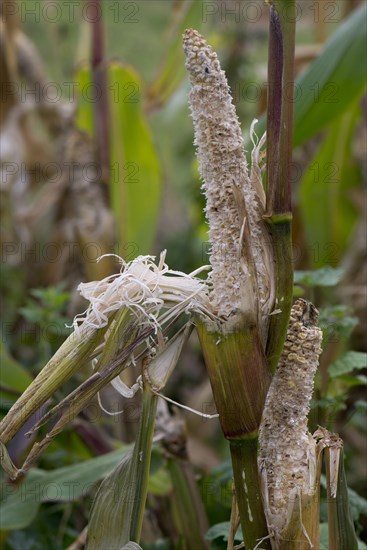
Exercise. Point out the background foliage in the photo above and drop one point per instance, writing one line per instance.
(153, 192)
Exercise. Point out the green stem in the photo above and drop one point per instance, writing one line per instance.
(248, 492)
(141, 457)
(279, 162)
(240, 378)
(280, 227)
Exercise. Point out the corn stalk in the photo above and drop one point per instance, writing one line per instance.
(278, 214)
(252, 298)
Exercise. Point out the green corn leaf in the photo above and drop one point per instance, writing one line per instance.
(135, 170)
(18, 509)
(118, 508)
(187, 506)
(20, 504)
(84, 118)
(333, 82)
(326, 210)
(111, 511)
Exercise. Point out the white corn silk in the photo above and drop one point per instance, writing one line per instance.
(154, 294)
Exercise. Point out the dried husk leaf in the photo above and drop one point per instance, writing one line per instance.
(159, 369)
(125, 310)
(75, 402)
(341, 528)
(7, 463)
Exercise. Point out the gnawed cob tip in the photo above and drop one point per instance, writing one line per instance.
(235, 201)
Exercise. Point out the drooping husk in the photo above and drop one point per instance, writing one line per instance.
(73, 353)
(127, 312)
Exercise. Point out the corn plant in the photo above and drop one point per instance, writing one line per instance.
(261, 352)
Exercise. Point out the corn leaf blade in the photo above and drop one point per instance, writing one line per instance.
(333, 82)
(324, 193)
(335, 79)
(117, 510)
(135, 169)
(135, 178)
(20, 505)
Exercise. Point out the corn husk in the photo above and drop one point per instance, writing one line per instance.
(127, 315)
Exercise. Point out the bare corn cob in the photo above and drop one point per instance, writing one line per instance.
(235, 200)
(287, 457)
